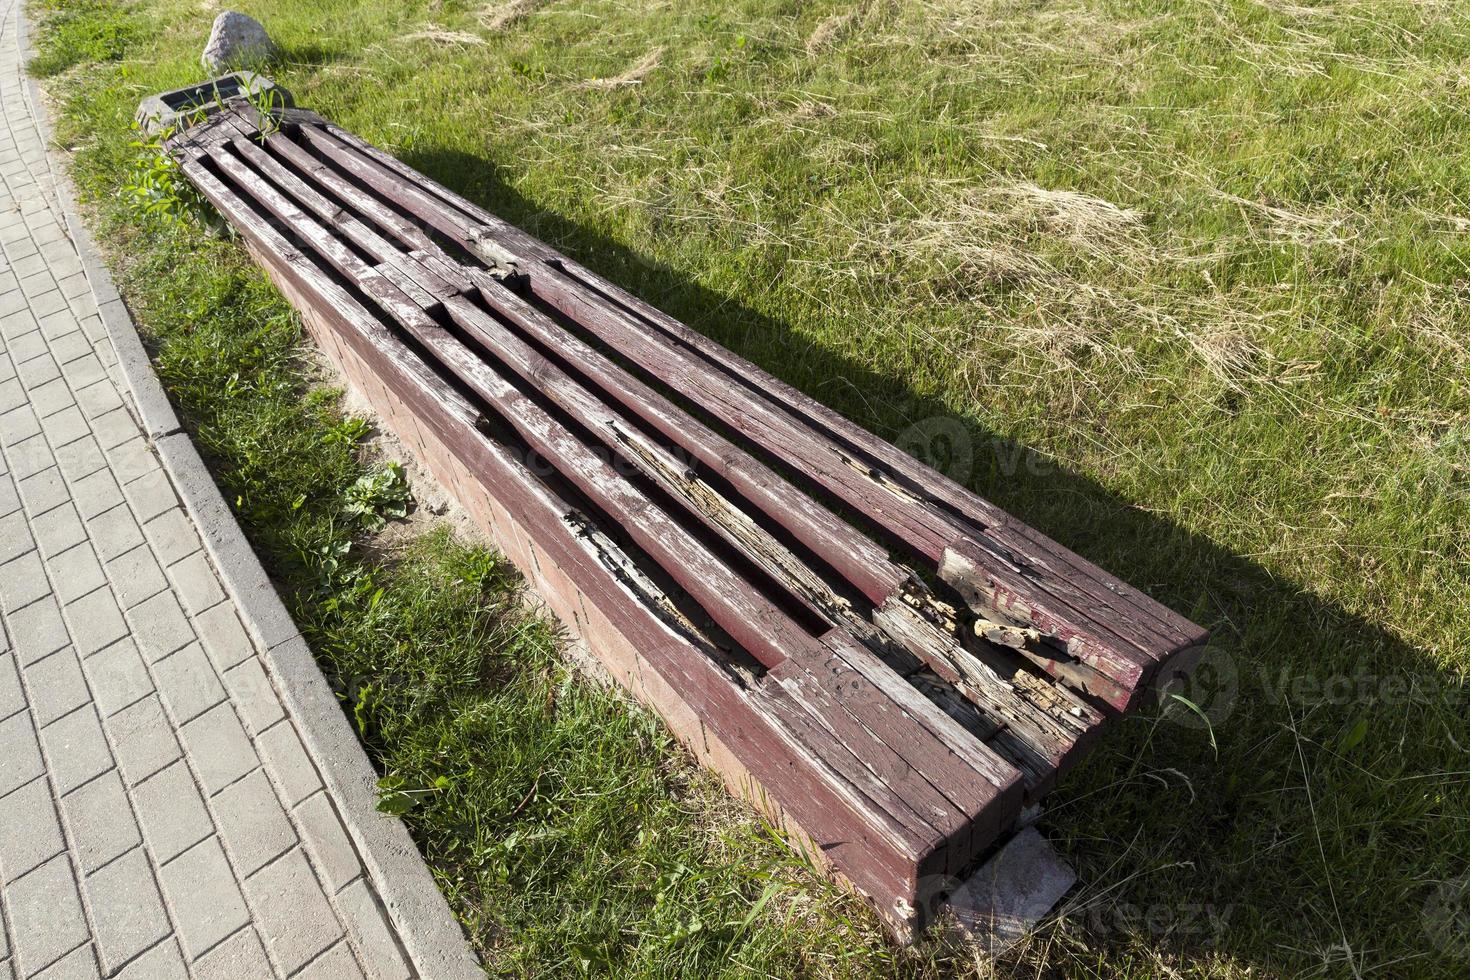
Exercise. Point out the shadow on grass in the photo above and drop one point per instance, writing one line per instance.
(1310, 826)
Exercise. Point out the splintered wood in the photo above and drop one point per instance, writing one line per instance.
(888, 665)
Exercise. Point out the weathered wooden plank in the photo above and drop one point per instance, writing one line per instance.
(843, 823)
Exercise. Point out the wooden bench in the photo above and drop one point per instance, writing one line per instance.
(746, 561)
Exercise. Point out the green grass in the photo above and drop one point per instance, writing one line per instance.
(1207, 261)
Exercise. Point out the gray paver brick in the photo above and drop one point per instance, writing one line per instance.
(335, 964)
(57, 686)
(23, 580)
(15, 536)
(20, 755)
(30, 832)
(76, 749)
(143, 738)
(113, 428)
(79, 964)
(104, 406)
(29, 456)
(136, 575)
(39, 370)
(44, 490)
(159, 626)
(86, 370)
(12, 698)
(99, 821)
(115, 531)
(9, 496)
(193, 579)
(51, 397)
(172, 812)
(58, 529)
(381, 955)
(57, 324)
(96, 621)
(132, 459)
(36, 630)
(225, 640)
(80, 458)
(219, 748)
(254, 697)
(187, 683)
(326, 841)
(96, 493)
(252, 823)
(75, 572)
(45, 915)
(127, 910)
(12, 395)
(27, 346)
(238, 957)
(172, 535)
(202, 894)
(118, 676)
(65, 427)
(292, 769)
(162, 962)
(151, 495)
(293, 915)
(70, 347)
(19, 424)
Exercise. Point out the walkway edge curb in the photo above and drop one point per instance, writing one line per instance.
(433, 939)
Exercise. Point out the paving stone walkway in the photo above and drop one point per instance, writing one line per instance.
(159, 816)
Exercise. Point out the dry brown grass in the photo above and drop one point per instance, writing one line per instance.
(634, 75)
(499, 16)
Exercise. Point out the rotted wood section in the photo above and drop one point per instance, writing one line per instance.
(888, 665)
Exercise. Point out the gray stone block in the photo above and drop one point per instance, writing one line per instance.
(119, 677)
(76, 749)
(57, 686)
(332, 853)
(45, 915)
(159, 626)
(76, 572)
(238, 957)
(36, 630)
(202, 894)
(219, 748)
(20, 754)
(252, 823)
(1011, 892)
(115, 531)
(286, 760)
(194, 580)
(30, 831)
(171, 811)
(292, 914)
(253, 695)
(162, 962)
(367, 924)
(337, 963)
(127, 910)
(96, 621)
(100, 821)
(136, 576)
(59, 528)
(144, 739)
(187, 684)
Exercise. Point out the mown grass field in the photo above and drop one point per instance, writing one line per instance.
(1184, 284)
